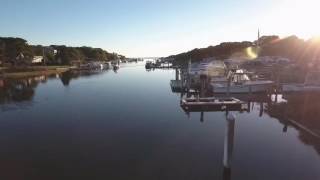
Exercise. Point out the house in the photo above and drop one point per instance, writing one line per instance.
(50, 50)
(37, 59)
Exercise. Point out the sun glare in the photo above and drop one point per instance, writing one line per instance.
(252, 53)
(295, 17)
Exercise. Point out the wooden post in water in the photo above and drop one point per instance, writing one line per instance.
(228, 85)
(228, 141)
(261, 109)
(202, 117)
(277, 82)
(188, 82)
(177, 74)
(249, 106)
(203, 82)
(226, 174)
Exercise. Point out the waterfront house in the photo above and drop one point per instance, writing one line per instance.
(37, 59)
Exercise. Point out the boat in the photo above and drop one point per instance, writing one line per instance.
(106, 65)
(211, 104)
(89, 66)
(116, 67)
(208, 67)
(213, 69)
(311, 84)
(241, 83)
(177, 86)
(149, 65)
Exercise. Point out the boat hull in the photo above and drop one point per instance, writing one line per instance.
(212, 104)
(299, 88)
(254, 88)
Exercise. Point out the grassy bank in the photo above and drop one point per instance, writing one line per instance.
(22, 72)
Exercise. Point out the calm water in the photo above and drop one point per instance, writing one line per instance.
(129, 125)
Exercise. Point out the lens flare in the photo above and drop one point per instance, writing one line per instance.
(252, 52)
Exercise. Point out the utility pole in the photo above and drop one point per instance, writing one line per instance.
(43, 55)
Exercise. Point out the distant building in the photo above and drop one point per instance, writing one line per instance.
(37, 59)
(50, 50)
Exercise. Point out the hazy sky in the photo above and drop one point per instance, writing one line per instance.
(139, 28)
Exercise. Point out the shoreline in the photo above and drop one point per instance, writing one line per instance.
(36, 71)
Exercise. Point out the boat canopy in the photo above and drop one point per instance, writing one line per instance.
(212, 68)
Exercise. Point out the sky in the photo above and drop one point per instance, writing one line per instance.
(155, 28)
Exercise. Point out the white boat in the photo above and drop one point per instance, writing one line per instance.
(311, 84)
(241, 83)
(90, 66)
(208, 67)
(215, 70)
(149, 65)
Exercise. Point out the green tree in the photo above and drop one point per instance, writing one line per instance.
(13, 47)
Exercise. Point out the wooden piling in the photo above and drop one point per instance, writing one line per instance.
(228, 141)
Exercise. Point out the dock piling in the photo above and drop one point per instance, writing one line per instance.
(228, 141)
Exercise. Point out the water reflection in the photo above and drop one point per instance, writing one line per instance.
(300, 108)
(300, 111)
(74, 128)
(66, 77)
(22, 90)
(19, 90)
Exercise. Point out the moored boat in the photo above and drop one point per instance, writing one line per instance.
(211, 104)
(241, 83)
(311, 84)
(149, 65)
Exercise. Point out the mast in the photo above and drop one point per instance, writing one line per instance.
(258, 41)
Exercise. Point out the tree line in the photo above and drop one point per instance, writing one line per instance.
(18, 51)
(291, 47)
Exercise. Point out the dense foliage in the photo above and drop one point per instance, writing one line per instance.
(12, 48)
(291, 47)
(294, 48)
(221, 51)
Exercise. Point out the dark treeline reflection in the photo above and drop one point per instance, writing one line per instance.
(15, 91)
(66, 77)
(304, 111)
(19, 90)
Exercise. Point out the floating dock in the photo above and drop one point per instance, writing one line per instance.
(212, 104)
